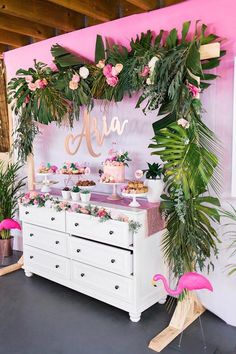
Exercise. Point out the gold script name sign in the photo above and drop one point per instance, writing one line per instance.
(91, 128)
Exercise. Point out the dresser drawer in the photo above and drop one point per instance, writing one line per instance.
(45, 239)
(43, 217)
(107, 257)
(42, 261)
(111, 231)
(102, 280)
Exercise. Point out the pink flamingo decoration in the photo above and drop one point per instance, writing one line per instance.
(188, 281)
(9, 224)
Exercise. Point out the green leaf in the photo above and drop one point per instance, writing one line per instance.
(171, 40)
(164, 122)
(64, 58)
(193, 60)
(99, 49)
(185, 29)
(210, 64)
(158, 39)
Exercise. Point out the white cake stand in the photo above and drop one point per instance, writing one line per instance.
(114, 195)
(134, 202)
(45, 183)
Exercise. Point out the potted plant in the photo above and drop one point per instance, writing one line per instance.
(66, 193)
(154, 182)
(10, 187)
(75, 193)
(85, 195)
(6, 241)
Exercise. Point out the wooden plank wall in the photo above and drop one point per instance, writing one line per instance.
(4, 121)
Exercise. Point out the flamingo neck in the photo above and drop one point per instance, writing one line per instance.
(169, 290)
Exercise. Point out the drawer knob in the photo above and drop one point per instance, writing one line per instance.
(31, 257)
(113, 260)
(31, 235)
(117, 287)
(57, 242)
(52, 218)
(78, 250)
(82, 275)
(76, 224)
(57, 266)
(26, 212)
(111, 232)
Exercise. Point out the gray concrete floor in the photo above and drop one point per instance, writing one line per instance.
(40, 317)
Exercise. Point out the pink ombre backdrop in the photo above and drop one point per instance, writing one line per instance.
(218, 102)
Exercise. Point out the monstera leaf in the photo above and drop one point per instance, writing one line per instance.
(64, 58)
(186, 162)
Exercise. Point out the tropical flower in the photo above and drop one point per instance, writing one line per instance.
(84, 72)
(27, 99)
(29, 78)
(75, 78)
(112, 81)
(73, 85)
(32, 86)
(194, 90)
(41, 84)
(184, 123)
(101, 64)
(145, 71)
(119, 67)
(107, 70)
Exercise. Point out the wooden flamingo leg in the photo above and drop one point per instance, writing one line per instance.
(186, 312)
(13, 267)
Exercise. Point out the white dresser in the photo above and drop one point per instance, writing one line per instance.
(103, 260)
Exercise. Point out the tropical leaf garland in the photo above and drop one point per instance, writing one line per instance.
(167, 71)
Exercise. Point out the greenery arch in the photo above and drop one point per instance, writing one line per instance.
(165, 68)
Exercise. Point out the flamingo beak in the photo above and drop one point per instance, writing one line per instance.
(154, 283)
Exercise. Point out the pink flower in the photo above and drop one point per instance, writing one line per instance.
(32, 86)
(29, 78)
(101, 64)
(41, 84)
(194, 90)
(114, 72)
(119, 68)
(74, 207)
(101, 213)
(183, 122)
(84, 211)
(107, 70)
(54, 168)
(73, 85)
(33, 195)
(36, 202)
(145, 71)
(27, 99)
(76, 78)
(112, 81)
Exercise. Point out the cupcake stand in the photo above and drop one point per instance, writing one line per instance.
(46, 183)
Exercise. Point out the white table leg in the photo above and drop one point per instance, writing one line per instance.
(135, 316)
